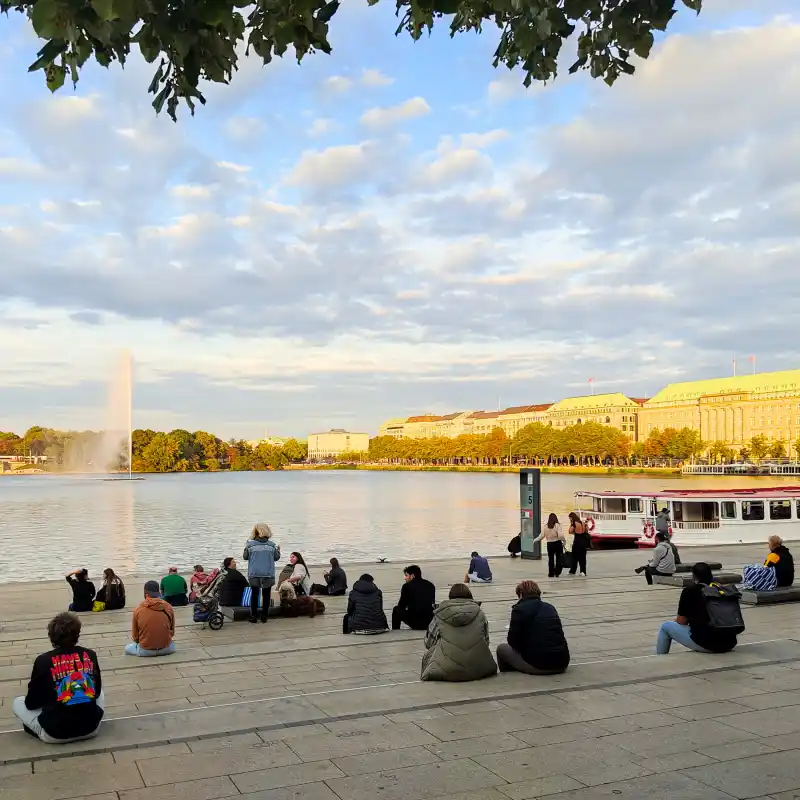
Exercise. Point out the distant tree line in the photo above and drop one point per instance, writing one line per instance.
(153, 451)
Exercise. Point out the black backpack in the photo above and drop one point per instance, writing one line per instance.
(724, 611)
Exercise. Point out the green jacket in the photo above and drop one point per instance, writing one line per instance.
(457, 644)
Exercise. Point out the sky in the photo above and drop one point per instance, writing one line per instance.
(398, 228)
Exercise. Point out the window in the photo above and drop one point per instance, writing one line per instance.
(728, 509)
(608, 419)
(780, 509)
(752, 510)
(634, 505)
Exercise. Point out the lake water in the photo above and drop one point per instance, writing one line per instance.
(52, 524)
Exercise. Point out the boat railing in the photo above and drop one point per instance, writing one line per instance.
(696, 526)
(597, 515)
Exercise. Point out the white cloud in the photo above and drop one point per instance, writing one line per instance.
(332, 166)
(480, 140)
(321, 126)
(375, 78)
(337, 83)
(232, 167)
(391, 115)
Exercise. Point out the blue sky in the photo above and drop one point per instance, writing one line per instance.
(398, 228)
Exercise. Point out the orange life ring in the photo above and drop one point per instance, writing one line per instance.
(589, 523)
(649, 530)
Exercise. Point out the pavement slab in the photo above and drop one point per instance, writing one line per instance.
(296, 711)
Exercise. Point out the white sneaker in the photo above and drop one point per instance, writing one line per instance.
(583, 574)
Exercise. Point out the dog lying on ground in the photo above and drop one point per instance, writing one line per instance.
(293, 606)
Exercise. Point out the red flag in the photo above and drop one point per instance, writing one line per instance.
(752, 359)
(591, 380)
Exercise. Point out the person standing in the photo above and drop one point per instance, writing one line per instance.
(65, 697)
(554, 536)
(153, 625)
(417, 599)
(174, 588)
(478, 570)
(82, 590)
(662, 561)
(580, 544)
(261, 553)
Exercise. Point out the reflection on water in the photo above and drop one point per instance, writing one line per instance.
(50, 525)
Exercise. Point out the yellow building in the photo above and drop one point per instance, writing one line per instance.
(730, 410)
(335, 442)
(613, 409)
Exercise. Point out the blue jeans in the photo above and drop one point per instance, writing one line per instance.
(133, 649)
(673, 631)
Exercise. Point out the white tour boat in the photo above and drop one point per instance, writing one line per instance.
(698, 516)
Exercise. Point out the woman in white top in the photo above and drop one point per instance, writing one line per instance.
(555, 539)
(300, 579)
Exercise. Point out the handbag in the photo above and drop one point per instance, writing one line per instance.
(567, 560)
(98, 605)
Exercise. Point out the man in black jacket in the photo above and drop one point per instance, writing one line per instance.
(536, 642)
(64, 702)
(233, 585)
(417, 599)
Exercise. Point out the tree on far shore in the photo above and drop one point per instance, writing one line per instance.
(199, 41)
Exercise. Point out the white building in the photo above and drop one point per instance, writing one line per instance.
(335, 442)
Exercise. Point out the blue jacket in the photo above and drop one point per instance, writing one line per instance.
(261, 555)
(479, 566)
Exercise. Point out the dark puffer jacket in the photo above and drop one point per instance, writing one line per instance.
(784, 567)
(536, 634)
(365, 608)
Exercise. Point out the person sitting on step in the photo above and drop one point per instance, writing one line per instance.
(662, 562)
(478, 570)
(174, 589)
(365, 612)
(65, 697)
(417, 599)
(153, 625)
(536, 643)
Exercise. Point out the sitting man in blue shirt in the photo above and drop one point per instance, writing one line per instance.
(478, 571)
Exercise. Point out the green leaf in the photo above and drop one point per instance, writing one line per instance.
(328, 10)
(56, 74)
(158, 103)
(643, 45)
(105, 10)
(45, 18)
(52, 50)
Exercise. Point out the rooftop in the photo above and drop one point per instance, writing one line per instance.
(760, 383)
(593, 401)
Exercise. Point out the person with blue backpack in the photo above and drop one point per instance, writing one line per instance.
(261, 553)
(709, 616)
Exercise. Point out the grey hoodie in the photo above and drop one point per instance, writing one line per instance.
(457, 643)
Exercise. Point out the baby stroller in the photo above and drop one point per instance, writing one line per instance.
(206, 607)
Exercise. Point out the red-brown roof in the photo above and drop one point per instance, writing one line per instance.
(424, 418)
(451, 416)
(485, 415)
(640, 400)
(524, 409)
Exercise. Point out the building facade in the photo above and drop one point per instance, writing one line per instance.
(334, 442)
(613, 409)
(730, 410)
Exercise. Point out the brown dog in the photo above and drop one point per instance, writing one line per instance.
(301, 607)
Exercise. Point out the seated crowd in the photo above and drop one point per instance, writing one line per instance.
(65, 697)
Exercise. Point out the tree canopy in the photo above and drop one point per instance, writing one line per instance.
(201, 40)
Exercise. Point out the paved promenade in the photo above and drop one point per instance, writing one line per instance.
(295, 711)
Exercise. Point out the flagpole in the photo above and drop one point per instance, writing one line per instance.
(753, 359)
(734, 367)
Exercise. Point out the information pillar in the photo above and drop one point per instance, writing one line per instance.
(530, 505)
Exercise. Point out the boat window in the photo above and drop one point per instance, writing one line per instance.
(752, 510)
(613, 505)
(728, 508)
(635, 505)
(780, 509)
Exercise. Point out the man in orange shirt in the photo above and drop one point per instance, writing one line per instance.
(153, 625)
